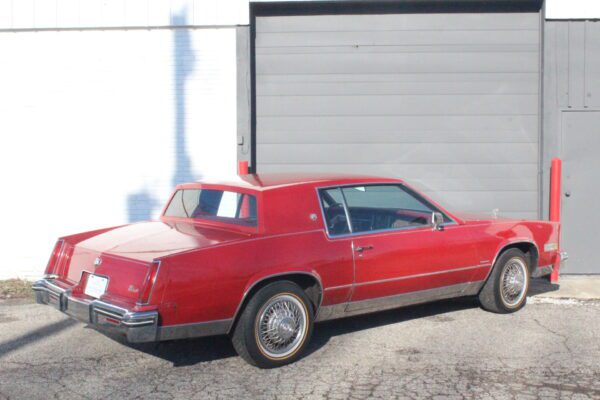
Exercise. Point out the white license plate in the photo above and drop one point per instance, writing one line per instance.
(95, 286)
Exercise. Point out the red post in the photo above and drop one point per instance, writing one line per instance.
(243, 168)
(555, 196)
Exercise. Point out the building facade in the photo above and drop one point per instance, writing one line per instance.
(469, 101)
(107, 104)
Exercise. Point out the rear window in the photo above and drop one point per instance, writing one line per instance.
(213, 205)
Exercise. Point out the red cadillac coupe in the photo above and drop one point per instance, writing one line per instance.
(263, 258)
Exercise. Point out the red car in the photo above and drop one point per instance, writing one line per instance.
(265, 257)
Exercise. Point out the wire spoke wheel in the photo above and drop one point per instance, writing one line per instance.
(513, 282)
(281, 326)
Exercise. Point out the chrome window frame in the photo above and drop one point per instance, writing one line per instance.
(389, 230)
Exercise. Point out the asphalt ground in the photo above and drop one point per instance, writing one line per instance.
(450, 349)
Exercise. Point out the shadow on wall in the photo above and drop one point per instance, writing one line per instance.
(184, 65)
(141, 205)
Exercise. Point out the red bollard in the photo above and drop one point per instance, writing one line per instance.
(243, 168)
(555, 196)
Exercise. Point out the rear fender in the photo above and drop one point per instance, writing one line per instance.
(263, 276)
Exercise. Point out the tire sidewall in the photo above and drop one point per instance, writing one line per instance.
(251, 312)
(502, 264)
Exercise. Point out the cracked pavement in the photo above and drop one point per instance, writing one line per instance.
(450, 349)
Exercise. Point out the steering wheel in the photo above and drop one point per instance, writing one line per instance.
(338, 218)
(419, 221)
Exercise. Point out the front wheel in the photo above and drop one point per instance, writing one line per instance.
(506, 289)
(275, 326)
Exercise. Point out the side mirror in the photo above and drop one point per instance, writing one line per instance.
(437, 221)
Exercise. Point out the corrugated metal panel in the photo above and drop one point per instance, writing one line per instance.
(571, 116)
(448, 101)
(592, 64)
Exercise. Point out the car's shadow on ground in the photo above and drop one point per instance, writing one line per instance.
(187, 352)
(194, 351)
(540, 286)
(439, 311)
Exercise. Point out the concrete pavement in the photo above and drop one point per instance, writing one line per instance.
(580, 287)
(449, 349)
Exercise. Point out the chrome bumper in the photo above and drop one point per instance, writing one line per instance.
(136, 326)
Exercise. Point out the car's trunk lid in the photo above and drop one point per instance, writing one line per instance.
(148, 241)
(126, 255)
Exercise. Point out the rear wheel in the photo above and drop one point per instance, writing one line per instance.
(275, 326)
(506, 288)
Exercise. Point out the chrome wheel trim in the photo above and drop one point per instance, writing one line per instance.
(281, 326)
(513, 282)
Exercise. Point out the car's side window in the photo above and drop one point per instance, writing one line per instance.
(378, 207)
(333, 208)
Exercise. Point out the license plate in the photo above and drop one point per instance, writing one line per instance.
(95, 286)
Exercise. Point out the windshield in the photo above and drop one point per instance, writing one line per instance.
(213, 205)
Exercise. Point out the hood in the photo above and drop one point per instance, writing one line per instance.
(478, 217)
(147, 241)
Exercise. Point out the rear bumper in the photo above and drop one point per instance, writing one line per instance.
(136, 326)
(564, 256)
(548, 269)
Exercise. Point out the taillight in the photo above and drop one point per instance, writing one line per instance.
(65, 260)
(146, 291)
(54, 259)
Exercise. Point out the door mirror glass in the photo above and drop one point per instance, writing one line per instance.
(437, 221)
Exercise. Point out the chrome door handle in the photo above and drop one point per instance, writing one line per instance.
(360, 249)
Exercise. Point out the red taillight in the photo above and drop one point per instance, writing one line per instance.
(54, 258)
(149, 283)
(65, 260)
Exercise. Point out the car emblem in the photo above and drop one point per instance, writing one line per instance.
(97, 262)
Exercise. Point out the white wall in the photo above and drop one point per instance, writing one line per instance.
(22, 14)
(572, 9)
(88, 129)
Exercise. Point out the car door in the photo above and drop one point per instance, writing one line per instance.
(396, 251)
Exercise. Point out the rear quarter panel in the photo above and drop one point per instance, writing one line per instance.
(209, 284)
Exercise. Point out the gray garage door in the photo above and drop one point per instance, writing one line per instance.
(580, 141)
(447, 101)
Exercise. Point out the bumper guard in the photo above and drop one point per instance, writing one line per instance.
(136, 326)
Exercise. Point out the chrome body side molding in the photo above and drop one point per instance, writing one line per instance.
(342, 310)
(401, 278)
